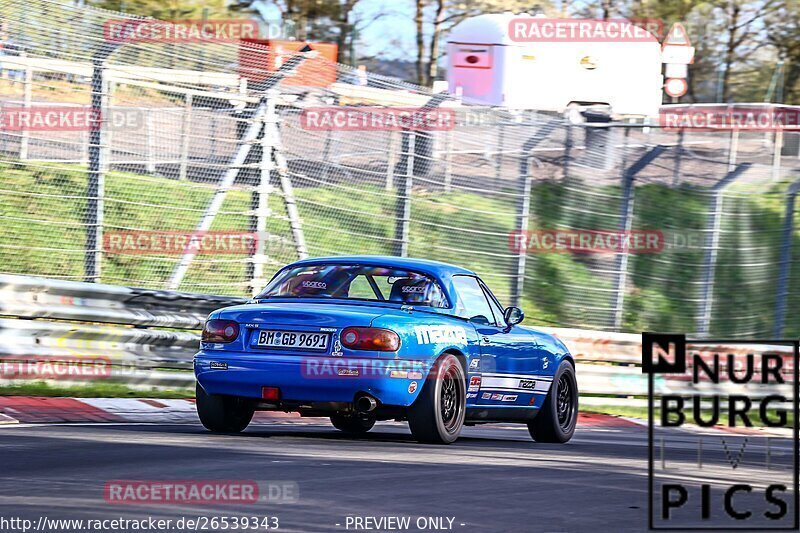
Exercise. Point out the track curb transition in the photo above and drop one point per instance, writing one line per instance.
(45, 409)
(42, 409)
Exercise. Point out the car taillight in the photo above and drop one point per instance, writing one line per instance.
(379, 339)
(217, 330)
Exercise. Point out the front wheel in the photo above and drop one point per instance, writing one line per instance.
(357, 423)
(437, 415)
(558, 416)
(223, 414)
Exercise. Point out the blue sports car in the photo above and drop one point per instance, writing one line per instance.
(367, 338)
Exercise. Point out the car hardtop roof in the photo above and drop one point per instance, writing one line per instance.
(438, 269)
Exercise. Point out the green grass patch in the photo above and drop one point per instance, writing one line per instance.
(641, 413)
(630, 412)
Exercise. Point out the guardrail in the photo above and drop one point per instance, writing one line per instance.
(118, 328)
(609, 370)
(146, 338)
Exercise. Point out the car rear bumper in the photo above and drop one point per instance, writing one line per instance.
(309, 379)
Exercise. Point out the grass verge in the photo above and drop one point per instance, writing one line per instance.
(92, 390)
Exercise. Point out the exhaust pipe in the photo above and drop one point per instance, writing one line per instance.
(365, 404)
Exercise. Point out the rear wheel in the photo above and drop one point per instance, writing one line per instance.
(223, 414)
(558, 416)
(357, 423)
(437, 415)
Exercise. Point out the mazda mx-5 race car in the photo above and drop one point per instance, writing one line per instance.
(368, 338)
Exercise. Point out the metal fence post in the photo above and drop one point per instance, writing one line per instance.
(403, 207)
(330, 141)
(625, 224)
(186, 118)
(95, 189)
(626, 133)
(524, 207)
(150, 142)
(712, 246)
(406, 166)
(523, 213)
(27, 100)
(626, 221)
(567, 149)
(776, 156)
(733, 149)
(785, 264)
(501, 137)
(214, 136)
(676, 169)
(391, 155)
(448, 161)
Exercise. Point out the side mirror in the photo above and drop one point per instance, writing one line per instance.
(513, 315)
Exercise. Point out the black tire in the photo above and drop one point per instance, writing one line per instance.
(558, 416)
(437, 415)
(223, 414)
(357, 423)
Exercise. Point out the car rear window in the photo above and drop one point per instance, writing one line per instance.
(356, 282)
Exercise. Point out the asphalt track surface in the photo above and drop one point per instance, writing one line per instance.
(494, 478)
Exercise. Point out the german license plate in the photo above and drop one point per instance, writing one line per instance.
(306, 340)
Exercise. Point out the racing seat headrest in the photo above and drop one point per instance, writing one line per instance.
(305, 285)
(409, 291)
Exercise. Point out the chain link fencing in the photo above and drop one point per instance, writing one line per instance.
(204, 165)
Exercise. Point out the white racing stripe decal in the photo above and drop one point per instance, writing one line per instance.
(493, 389)
(518, 376)
(516, 384)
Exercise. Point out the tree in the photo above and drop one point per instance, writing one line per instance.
(167, 10)
(784, 36)
(345, 28)
(728, 36)
(743, 27)
(419, 23)
(433, 49)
